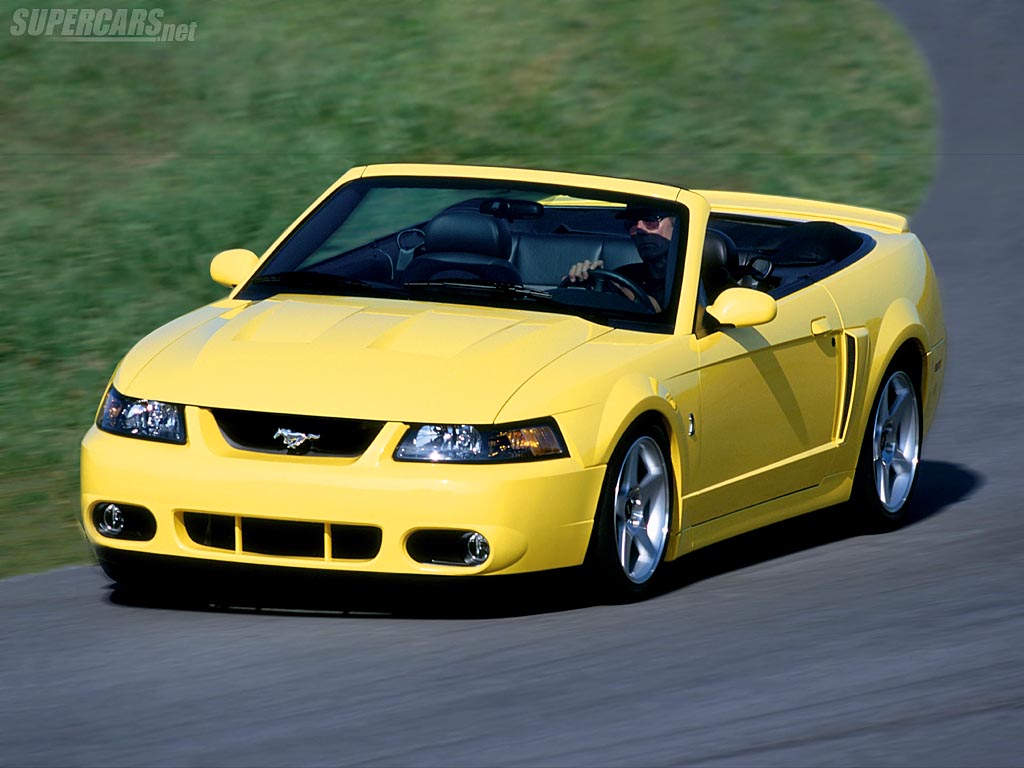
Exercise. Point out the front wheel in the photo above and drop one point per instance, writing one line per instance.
(887, 468)
(631, 526)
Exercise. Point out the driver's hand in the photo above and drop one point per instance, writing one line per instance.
(580, 271)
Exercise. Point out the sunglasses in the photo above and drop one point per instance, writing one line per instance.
(651, 221)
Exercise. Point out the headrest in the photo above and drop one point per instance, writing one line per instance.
(466, 232)
(719, 250)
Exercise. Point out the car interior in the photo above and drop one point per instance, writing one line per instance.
(525, 244)
(777, 257)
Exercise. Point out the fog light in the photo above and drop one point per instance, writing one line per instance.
(111, 522)
(477, 549)
(127, 522)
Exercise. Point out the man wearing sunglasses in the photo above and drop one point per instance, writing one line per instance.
(652, 234)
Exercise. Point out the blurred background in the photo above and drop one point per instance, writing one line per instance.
(126, 166)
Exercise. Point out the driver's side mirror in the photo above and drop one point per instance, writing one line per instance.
(229, 268)
(742, 308)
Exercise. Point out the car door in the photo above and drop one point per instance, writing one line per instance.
(768, 406)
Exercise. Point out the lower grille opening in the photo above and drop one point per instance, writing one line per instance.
(284, 538)
(355, 542)
(216, 531)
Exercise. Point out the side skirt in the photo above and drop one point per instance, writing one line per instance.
(834, 489)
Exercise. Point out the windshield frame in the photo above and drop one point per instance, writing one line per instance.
(324, 221)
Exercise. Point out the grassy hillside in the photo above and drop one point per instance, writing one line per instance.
(127, 166)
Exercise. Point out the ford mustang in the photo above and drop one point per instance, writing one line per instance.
(466, 371)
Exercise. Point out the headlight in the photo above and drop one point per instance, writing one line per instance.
(148, 419)
(462, 443)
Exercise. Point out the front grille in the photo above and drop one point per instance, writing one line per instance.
(256, 431)
(283, 538)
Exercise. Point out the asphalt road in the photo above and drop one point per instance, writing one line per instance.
(806, 644)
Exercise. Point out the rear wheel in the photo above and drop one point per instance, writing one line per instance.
(887, 469)
(632, 523)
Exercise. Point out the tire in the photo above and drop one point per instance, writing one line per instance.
(633, 517)
(887, 468)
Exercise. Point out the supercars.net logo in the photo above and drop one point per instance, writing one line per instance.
(103, 25)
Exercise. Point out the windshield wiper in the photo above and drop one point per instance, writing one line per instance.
(322, 280)
(489, 287)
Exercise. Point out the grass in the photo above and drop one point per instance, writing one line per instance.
(127, 166)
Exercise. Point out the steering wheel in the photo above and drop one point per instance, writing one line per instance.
(408, 241)
(415, 234)
(601, 276)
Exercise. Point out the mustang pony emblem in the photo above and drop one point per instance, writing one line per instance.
(294, 441)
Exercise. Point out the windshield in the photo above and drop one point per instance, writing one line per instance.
(610, 258)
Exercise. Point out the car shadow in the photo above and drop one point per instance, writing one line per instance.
(940, 484)
(320, 594)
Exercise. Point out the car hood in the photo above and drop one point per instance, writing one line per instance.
(339, 356)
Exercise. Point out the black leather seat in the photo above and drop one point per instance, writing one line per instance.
(544, 259)
(463, 245)
(719, 263)
(467, 232)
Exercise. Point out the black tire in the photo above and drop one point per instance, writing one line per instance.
(886, 473)
(634, 517)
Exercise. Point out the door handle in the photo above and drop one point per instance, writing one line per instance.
(820, 326)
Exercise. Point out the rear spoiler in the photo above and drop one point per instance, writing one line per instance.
(772, 206)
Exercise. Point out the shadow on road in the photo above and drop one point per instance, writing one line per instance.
(282, 591)
(940, 484)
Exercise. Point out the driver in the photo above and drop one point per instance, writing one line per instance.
(652, 234)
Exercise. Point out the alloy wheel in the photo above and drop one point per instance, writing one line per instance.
(896, 442)
(642, 510)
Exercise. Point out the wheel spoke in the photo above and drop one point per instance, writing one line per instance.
(896, 411)
(629, 472)
(650, 487)
(882, 415)
(643, 542)
(882, 481)
(901, 465)
(625, 544)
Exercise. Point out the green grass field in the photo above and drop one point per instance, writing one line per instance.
(126, 167)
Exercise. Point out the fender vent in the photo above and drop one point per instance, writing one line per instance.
(850, 371)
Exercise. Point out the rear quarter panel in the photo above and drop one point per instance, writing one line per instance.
(888, 299)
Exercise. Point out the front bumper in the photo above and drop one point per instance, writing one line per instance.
(535, 515)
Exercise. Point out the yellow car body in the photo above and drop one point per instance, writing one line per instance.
(763, 421)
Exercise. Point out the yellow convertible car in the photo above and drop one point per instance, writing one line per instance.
(453, 370)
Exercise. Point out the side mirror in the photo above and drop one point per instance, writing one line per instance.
(743, 307)
(229, 268)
